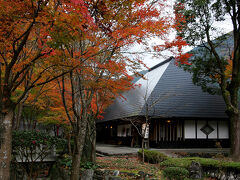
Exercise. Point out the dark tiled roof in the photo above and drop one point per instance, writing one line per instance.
(135, 99)
(173, 95)
(179, 97)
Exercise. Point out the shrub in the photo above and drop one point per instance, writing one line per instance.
(206, 163)
(176, 162)
(153, 157)
(177, 173)
(186, 162)
(30, 148)
(213, 164)
(202, 155)
(89, 165)
(232, 166)
(34, 146)
(65, 161)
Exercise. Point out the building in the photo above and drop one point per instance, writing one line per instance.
(181, 114)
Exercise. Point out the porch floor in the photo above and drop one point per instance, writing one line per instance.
(117, 150)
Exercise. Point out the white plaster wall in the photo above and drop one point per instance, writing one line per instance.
(179, 130)
(213, 135)
(200, 134)
(120, 132)
(189, 129)
(163, 130)
(223, 129)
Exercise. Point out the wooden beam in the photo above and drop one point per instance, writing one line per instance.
(195, 128)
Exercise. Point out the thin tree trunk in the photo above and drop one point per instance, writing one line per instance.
(81, 101)
(93, 152)
(92, 140)
(5, 143)
(69, 144)
(18, 116)
(76, 159)
(79, 141)
(143, 150)
(235, 136)
(89, 151)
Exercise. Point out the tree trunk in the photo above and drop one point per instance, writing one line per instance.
(79, 143)
(235, 136)
(143, 150)
(93, 152)
(76, 160)
(18, 116)
(92, 140)
(89, 151)
(5, 143)
(69, 145)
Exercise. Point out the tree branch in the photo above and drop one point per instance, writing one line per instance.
(63, 99)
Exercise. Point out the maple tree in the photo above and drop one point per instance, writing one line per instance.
(42, 40)
(104, 55)
(96, 50)
(89, 95)
(23, 49)
(26, 59)
(100, 84)
(214, 72)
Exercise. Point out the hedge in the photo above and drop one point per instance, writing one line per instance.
(153, 157)
(206, 163)
(176, 173)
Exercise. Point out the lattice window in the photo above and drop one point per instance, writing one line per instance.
(207, 129)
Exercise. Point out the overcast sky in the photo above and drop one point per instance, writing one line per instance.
(148, 58)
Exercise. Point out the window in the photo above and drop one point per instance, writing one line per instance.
(207, 129)
(124, 130)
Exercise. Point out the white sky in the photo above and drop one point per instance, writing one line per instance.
(148, 58)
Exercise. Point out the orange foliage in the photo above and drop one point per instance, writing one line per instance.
(82, 36)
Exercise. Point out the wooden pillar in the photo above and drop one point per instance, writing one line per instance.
(170, 132)
(159, 131)
(183, 131)
(156, 130)
(164, 131)
(177, 126)
(196, 128)
(180, 130)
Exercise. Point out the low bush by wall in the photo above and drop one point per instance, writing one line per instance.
(212, 168)
(177, 173)
(153, 157)
(206, 163)
(173, 168)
